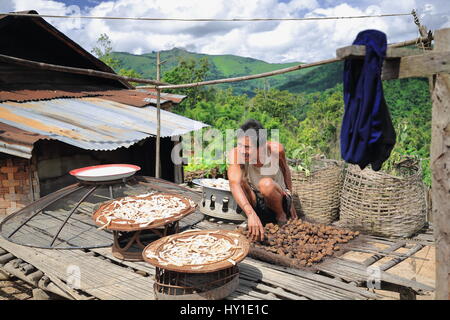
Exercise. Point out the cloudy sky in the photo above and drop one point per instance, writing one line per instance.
(287, 41)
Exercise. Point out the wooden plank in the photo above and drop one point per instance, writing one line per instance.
(99, 278)
(255, 294)
(377, 239)
(298, 285)
(108, 280)
(277, 291)
(403, 62)
(318, 278)
(239, 296)
(359, 51)
(440, 168)
(40, 227)
(265, 276)
(395, 261)
(385, 254)
(352, 271)
(424, 65)
(376, 257)
(138, 265)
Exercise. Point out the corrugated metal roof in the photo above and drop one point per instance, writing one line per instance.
(137, 98)
(91, 123)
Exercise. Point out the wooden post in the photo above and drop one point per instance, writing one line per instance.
(178, 168)
(440, 168)
(158, 118)
(423, 34)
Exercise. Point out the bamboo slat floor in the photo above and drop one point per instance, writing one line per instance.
(104, 276)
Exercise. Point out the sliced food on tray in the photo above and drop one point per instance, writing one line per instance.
(142, 210)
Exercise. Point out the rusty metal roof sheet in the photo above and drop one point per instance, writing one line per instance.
(137, 97)
(17, 142)
(90, 123)
(175, 98)
(36, 95)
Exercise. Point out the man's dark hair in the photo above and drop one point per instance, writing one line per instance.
(252, 124)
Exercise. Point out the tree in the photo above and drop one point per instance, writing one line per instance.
(103, 51)
(189, 71)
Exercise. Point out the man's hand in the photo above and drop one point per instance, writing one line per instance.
(255, 228)
(282, 219)
(293, 212)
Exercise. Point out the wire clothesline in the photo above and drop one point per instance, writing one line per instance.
(204, 19)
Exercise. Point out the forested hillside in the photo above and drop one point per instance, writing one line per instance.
(220, 66)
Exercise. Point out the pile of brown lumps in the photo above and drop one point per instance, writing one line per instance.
(307, 242)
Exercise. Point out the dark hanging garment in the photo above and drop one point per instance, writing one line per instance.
(367, 134)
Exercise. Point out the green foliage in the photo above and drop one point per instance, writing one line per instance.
(130, 73)
(278, 104)
(318, 79)
(303, 155)
(103, 51)
(189, 71)
(410, 105)
(206, 164)
(321, 126)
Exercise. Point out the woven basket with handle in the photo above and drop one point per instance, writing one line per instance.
(317, 194)
(381, 204)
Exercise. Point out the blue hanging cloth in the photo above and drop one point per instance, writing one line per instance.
(367, 134)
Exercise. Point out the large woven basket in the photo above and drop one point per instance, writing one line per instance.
(381, 204)
(317, 194)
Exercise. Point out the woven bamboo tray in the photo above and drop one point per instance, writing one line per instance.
(381, 204)
(237, 254)
(131, 225)
(317, 195)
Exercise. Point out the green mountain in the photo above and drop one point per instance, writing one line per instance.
(225, 66)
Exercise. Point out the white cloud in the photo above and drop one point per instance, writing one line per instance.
(305, 41)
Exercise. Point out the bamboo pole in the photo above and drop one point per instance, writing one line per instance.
(158, 117)
(82, 71)
(408, 42)
(250, 77)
